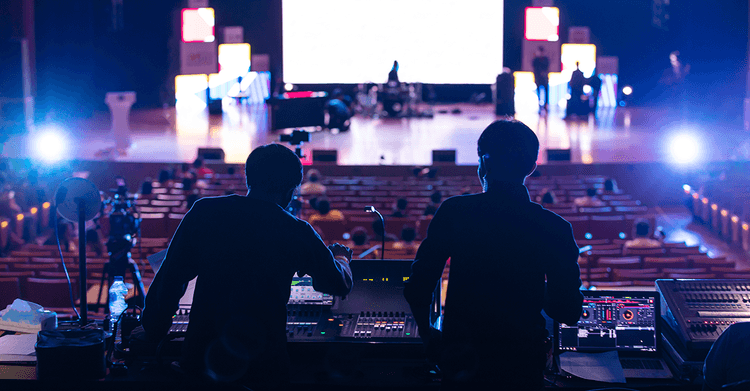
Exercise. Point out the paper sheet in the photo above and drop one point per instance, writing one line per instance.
(604, 367)
(19, 347)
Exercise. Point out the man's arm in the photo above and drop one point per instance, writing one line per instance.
(563, 299)
(715, 366)
(179, 267)
(427, 268)
(328, 267)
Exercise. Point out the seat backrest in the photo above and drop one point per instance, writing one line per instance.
(10, 289)
(47, 292)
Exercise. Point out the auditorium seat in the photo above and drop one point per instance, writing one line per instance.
(331, 231)
(608, 227)
(20, 267)
(695, 276)
(647, 252)
(665, 262)
(10, 289)
(692, 250)
(49, 293)
(691, 271)
(619, 262)
(610, 284)
(706, 261)
(153, 225)
(580, 224)
(636, 274)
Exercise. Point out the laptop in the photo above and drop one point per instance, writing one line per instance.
(622, 321)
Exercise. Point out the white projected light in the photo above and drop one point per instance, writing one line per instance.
(50, 144)
(434, 41)
(684, 148)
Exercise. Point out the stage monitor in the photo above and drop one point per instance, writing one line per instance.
(434, 41)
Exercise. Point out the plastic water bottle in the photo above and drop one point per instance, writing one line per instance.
(117, 304)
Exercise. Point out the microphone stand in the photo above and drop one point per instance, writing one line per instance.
(82, 260)
(371, 209)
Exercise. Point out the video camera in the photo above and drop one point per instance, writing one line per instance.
(296, 138)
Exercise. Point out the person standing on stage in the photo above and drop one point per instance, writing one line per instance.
(540, 64)
(393, 74)
(244, 251)
(509, 259)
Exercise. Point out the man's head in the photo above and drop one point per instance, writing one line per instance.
(275, 171)
(591, 192)
(436, 197)
(323, 206)
(578, 64)
(408, 233)
(359, 236)
(402, 203)
(198, 163)
(395, 65)
(507, 152)
(642, 229)
(313, 175)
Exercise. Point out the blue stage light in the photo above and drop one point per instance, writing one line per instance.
(684, 149)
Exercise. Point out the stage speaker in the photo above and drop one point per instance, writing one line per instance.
(558, 155)
(208, 154)
(505, 95)
(325, 156)
(443, 156)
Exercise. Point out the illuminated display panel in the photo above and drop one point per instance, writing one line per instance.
(234, 58)
(434, 41)
(542, 24)
(585, 54)
(190, 91)
(198, 25)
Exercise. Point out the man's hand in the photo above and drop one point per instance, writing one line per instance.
(339, 250)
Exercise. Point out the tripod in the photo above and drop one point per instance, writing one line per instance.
(119, 263)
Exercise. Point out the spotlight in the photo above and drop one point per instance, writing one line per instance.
(50, 144)
(684, 149)
(288, 86)
(627, 90)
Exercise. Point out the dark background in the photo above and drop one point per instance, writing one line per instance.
(80, 55)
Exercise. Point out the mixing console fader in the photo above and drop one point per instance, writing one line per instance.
(700, 310)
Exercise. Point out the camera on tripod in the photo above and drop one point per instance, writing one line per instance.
(296, 138)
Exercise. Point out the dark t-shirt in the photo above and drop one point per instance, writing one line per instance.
(502, 247)
(244, 252)
(541, 68)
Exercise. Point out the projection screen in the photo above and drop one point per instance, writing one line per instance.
(356, 41)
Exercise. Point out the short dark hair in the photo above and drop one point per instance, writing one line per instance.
(548, 198)
(591, 192)
(377, 227)
(436, 197)
(198, 163)
(230, 170)
(359, 236)
(273, 168)
(508, 145)
(402, 203)
(408, 233)
(610, 185)
(323, 206)
(642, 229)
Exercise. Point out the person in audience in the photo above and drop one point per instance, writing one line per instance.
(201, 171)
(548, 198)
(728, 362)
(361, 245)
(399, 209)
(407, 244)
(231, 170)
(325, 213)
(377, 229)
(164, 177)
(245, 251)
(191, 199)
(312, 188)
(312, 185)
(432, 207)
(31, 194)
(589, 200)
(642, 239)
(610, 187)
(499, 243)
(147, 187)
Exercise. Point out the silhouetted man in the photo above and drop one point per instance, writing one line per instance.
(540, 64)
(393, 74)
(576, 84)
(502, 246)
(244, 251)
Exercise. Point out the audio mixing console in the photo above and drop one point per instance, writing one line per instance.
(698, 311)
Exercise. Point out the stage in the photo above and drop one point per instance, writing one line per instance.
(621, 135)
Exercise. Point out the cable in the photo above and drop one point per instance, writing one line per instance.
(65, 268)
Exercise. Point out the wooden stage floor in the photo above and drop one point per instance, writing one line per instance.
(617, 135)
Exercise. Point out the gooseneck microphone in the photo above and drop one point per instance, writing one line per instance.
(371, 209)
